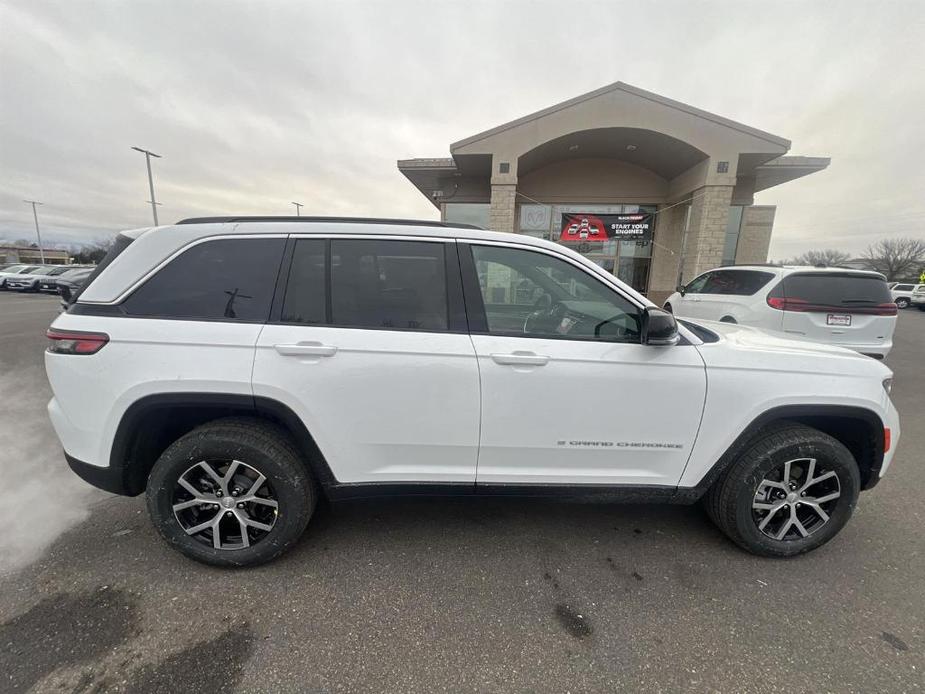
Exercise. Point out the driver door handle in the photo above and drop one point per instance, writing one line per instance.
(520, 359)
(312, 349)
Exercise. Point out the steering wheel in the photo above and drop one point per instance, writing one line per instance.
(550, 315)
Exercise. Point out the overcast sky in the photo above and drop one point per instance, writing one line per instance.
(256, 104)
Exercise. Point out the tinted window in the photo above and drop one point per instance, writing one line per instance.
(736, 282)
(696, 285)
(305, 293)
(227, 279)
(536, 295)
(834, 289)
(903, 287)
(388, 284)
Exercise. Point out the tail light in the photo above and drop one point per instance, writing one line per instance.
(887, 439)
(784, 304)
(801, 305)
(75, 342)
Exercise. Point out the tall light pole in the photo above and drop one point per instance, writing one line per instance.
(148, 156)
(298, 208)
(35, 216)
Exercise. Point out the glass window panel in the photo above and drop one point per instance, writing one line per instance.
(388, 284)
(467, 213)
(226, 279)
(535, 295)
(305, 290)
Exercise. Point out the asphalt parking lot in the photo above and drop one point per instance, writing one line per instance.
(449, 595)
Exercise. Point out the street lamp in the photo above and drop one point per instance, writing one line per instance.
(35, 216)
(148, 156)
(298, 208)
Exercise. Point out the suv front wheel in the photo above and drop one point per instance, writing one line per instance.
(232, 492)
(790, 492)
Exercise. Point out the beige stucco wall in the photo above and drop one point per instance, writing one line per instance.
(593, 180)
(755, 234)
(666, 253)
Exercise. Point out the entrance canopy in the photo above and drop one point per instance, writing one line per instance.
(685, 147)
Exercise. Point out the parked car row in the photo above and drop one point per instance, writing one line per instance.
(43, 278)
(847, 308)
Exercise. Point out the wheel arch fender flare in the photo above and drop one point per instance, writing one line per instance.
(152, 422)
(840, 421)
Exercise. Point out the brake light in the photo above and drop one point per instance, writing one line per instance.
(887, 439)
(75, 342)
(784, 304)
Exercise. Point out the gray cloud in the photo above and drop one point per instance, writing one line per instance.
(253, 105)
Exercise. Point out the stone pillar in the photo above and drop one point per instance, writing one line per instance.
(707, 232)
(501, 211)
(755, 234)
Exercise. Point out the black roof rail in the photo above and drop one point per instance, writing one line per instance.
(334, 220)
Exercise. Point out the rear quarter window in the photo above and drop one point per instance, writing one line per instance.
(224, 279)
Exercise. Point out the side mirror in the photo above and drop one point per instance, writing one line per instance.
(681, 289)
(659, 327)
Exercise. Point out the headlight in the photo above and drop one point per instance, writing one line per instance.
(888, 385)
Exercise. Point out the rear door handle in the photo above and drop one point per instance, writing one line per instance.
(520, 359)
(302, 349)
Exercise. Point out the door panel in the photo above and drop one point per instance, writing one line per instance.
(593, 412)
(383, 406)
(367, 348)
(569, 395)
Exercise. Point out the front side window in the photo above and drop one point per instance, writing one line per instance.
(736, 282)
(388, 284)
(531, 294)
(696, 286)
(225, 279)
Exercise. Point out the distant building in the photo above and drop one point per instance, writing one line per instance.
(649, 188)
(27, 254)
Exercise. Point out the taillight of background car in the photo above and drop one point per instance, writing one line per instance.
(75, 342)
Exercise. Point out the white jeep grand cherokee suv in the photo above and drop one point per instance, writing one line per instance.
(238, 369)
(849, 308)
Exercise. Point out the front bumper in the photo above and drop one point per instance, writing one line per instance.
(109, 479)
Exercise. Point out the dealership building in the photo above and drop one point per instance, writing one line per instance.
(651, 189)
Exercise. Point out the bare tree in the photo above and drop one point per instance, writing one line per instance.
(828, 256)
(897, 258)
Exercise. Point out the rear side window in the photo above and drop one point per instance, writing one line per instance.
(305, 290)
(736, 282)
(388, 284)
(225, 279)
(903, 288)
(841, 290)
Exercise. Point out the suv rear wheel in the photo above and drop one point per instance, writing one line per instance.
(790, 492)
(232, 492)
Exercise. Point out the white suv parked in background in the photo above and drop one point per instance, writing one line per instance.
(902, 293)
(849, 308)
(237, 369)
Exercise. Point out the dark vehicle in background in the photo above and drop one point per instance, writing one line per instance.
(70, 282)
(29, 281)
(71, 272)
